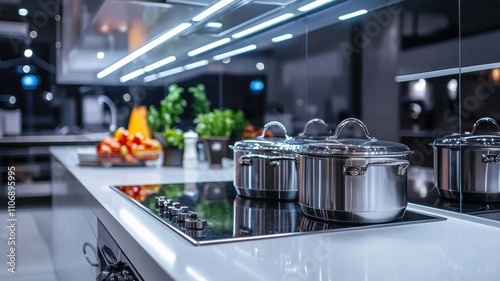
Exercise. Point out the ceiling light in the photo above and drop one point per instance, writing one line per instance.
(28, 53)
(159, 63)
(131, 75)
(213, 25)
(260, 66)
(195, 64)
(23, 12)
(353, 14)
(26, 69)
(12, 100)
(144, 49)
(170, 72)
(209, 47)
(150, 78)
(235, 52)
(100, 55)
(313, 5)
(33, 34)
(226, 60)
(214, 8)
(282, 38)
(262, 25)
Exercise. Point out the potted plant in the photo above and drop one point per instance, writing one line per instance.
(215, 128)
(162, 123)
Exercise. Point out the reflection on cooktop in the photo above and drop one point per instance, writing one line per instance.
(211, 212)
(424, 193)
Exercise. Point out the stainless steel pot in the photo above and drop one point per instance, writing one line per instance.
(266, 168)
(353, 180)
(468, 166)
(254, 217)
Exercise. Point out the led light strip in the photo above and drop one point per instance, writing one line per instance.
(313, 5)
(209, 47)
(142, 50)
(263, 25)
(353, 14)
(176, 70)
(282, 38)
(148, 68)
(214, 8)
(235, 52)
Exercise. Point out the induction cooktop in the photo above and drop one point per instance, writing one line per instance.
(211, 212)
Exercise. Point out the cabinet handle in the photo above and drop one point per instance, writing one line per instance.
(88, 245)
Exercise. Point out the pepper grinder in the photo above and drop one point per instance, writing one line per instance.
(190, 157)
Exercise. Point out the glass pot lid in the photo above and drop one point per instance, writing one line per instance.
(271, 144)
(354, 147)
(472, 139)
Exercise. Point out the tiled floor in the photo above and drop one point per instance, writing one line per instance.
(33, 259)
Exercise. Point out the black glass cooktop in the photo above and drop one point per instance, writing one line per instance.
(211, 212)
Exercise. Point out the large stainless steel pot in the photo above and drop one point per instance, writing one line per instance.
(353, 180)
(266, 168)
(468, 166)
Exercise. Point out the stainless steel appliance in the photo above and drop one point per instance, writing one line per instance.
(353, 180)
(470, 161)
(207, 213)
(114, 264)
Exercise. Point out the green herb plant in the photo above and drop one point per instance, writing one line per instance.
(218, 123)
(201, 104)
(164, 120)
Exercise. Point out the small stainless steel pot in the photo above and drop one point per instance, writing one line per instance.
(266, 168)
(353, 180)
(468, 166)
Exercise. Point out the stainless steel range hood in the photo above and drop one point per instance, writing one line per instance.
(116, 28)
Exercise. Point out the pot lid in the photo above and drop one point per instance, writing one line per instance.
(472, 139)
(271, 144)
(354, 147)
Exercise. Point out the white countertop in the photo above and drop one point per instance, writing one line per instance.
(454, 249)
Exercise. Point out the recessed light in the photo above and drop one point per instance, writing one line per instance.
(100, 55)
(159, 63)
(26, 69)
(28, 53)
(213, 25)
(23, 12)
(131, 75)
(313, 5)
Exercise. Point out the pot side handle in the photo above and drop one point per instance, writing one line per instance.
(274, 161)
(490, 158)
(360, 170)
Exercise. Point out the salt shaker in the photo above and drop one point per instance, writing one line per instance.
(190, 157)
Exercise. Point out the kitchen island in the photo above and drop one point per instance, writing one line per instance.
(461, 247)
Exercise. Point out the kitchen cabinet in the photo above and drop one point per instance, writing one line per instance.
(74, 229)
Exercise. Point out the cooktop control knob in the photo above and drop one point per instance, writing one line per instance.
(191, 223)
(177, 211)
(160, 201)
(182, 216)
